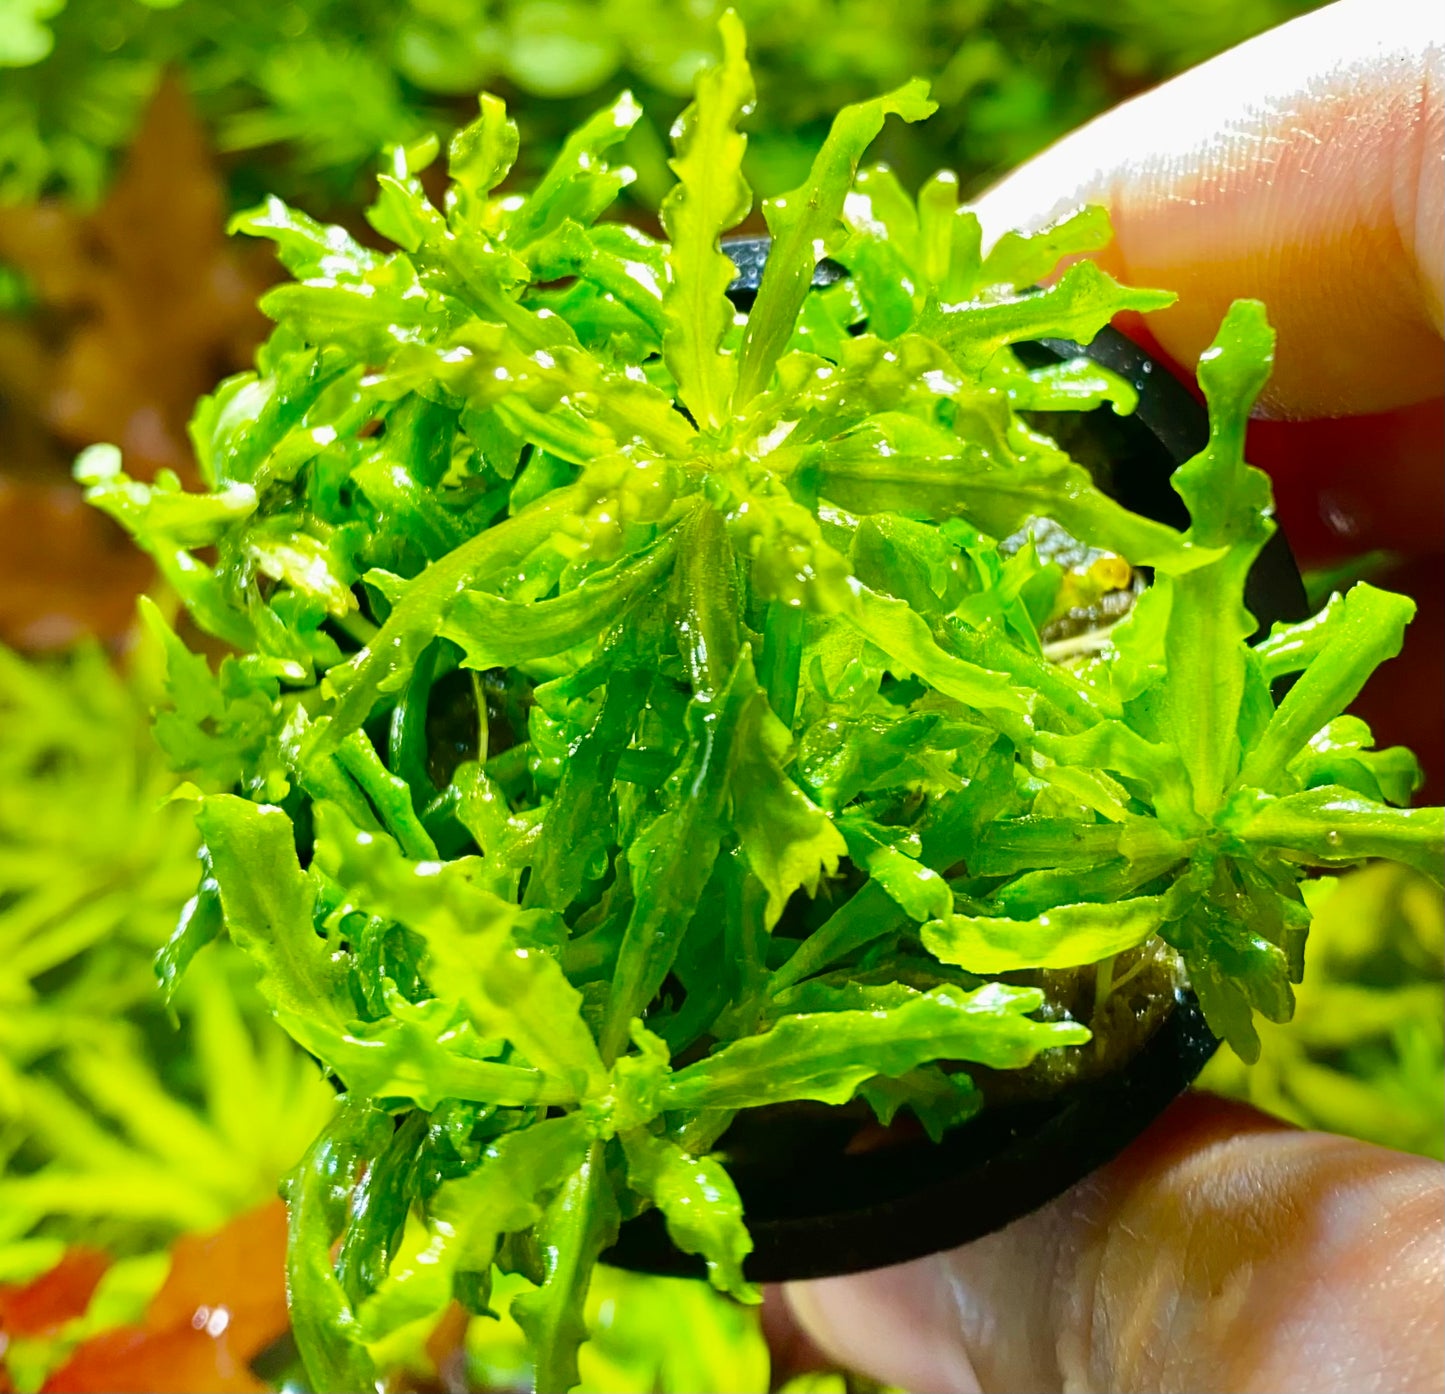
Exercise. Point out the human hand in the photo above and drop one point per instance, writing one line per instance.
(1225, 1251)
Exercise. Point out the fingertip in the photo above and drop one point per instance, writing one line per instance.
(1301, 169)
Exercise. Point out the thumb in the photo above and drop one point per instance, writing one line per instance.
(1305, 168)
(1222, 1252)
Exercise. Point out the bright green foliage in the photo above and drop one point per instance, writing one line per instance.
(120, 1127)
(24, 36)
(602, 768)
(648, 1336)
(710, 197)
(310, 89)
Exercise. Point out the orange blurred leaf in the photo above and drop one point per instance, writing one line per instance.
(221, 1305)
(40, 1307)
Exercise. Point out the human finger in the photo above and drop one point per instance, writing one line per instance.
(1305, 167)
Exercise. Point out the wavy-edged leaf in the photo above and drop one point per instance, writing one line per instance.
(827, 1055)
(700, 1204)
(789, 842)
(670, 859)
(1363, 631)
(162, 512)
(419, 1052)
(1079, 304)
(892, 858)
(1065, 937)
(938, 1099)
(1022, 259)
(1290, 648)
(1334, 825)
(318, 1193)
(420, 612)
(578, 1226)
(710, 197)
(268, 903)
(493, 632)
(505, 1192)
(901, 633)
(805, 224)
(510, 990)
(897, 463)
(480, 154)
(1341, 753)
(579, 183)
(1229, 502)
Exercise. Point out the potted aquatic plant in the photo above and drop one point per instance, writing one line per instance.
(647, 711)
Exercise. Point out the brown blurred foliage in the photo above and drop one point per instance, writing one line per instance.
(140, 307)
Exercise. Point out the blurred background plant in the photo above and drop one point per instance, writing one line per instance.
(1365, 1053)
(123, 1126)
(306, 91)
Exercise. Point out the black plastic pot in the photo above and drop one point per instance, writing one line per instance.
(815, 1205)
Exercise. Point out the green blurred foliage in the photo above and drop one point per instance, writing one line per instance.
(310, 90)
(650, 1335)
(1365, 1053)
(122, 1126)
